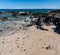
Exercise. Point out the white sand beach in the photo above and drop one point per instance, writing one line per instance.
(31, 42)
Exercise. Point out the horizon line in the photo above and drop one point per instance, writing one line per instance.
(30, 8)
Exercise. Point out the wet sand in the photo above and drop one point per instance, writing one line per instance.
(31, 42)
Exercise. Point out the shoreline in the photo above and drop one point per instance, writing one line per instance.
(28, 36)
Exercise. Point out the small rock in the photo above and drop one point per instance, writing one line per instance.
(24, 49)
(48, 47)
(23, 38)
(2, 42)
(17, 46)
(18, 38)
(1, 30)
(10, 51)
(27, 35)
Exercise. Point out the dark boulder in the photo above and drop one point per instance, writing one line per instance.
(40, 23)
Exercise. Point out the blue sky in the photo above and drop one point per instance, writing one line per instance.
(29, 4)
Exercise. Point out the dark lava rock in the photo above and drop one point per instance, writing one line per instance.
(57, 30)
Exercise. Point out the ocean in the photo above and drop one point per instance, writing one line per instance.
(27, 10)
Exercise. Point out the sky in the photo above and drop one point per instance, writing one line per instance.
(29, 4)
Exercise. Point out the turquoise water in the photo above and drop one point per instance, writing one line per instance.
(27, 10)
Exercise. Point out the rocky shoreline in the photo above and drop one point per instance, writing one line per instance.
(30, 36)
(17, 21)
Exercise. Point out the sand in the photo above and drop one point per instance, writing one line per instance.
(31, 42)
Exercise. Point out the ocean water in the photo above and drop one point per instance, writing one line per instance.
(27, 10)
(22, 10)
